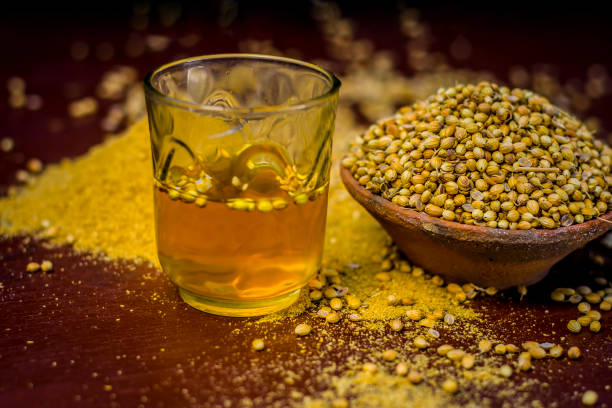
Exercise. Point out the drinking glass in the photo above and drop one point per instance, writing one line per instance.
(241, 148)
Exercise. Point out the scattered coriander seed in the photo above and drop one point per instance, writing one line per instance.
(600, 280)
(584, 290)
(201, 201)
(34, 165)
(485, 346)
(340, 403)
(437, 280)
(396, 325)
(302, 329)
(506, 371)
(522, 290)
(352, 302)
(315, 295)
(524, 361)
(354, 317)
(450, 386)
(415, 377)
(589, 398)
(332, 317)
(467, 361)
(557, 296)
(449, 319)
(336, 304)
(370, 368)
(605, 306)
(46, 266)
(574, 326)
(584, 307)
(414, 314)
(595, 326)
(529, 344)
(389, 355)
(537, 352)
(444, 349)
(32, 267)
(7, 144)
(546, 345)
(427, 323)
(594, 315)
(401, 369)
(323, 312)
(575, 298)
(420, 342)
(500, 349)
(316, 284)
(330, 293)
(584, 321)
(556, 351)
(406, 301)
(455, 354)
(433, 333)
(392, 300)
(383, 277)
(593, 298)
(491, 291)
(574, 353)
(22, 176)
(511, 348)
(258, 345)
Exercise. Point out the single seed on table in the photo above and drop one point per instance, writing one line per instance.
(511, 348)
(352, 302)
(302, 329)
(573, 353)
(392, 300)
(500, 349)
(537, 352)
(584, 321)
(449, 318)
(34, 166)
(32, 267)
(427, 323)
(315, 295)
(506, 371)
(556, 351)
(396, 325)
(455, 354)
(415, 377)
(333, 317)
(258, 345)
(574, 326)
(389, 355)
(336, 303)
(491, 291)
(420, 342)
(414, 314)
(600, 280)
(605, 306)
(485, 346)
(46, 266)
(433, 333)
(330, 293)
(444, 349)
(467, 361)
(383, 277)
(201, 201)
(595, 326)
(584, 307)
(354, 317)
(450, 386)
(593, 298)
(529, 344)
(575, 298)
(401, 369)
(594, 315)
(370, 368)
(557, 296)
(589, 398)
(524, 361)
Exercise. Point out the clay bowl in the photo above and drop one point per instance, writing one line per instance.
(466, 253)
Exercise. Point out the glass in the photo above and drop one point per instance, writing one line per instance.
(241, 149)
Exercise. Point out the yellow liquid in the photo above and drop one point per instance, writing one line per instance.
(239, 262)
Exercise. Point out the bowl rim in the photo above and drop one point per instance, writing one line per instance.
(402, 216)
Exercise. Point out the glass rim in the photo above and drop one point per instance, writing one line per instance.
(242, 111)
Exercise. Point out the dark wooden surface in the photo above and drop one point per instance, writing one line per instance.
(99, 334)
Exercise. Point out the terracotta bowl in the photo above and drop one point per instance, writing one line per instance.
(466, 253)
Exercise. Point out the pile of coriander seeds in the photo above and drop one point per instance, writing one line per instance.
(487, 155)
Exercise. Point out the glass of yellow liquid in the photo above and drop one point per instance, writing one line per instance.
(241, 148)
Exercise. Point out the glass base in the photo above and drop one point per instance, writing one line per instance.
(237, 308)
